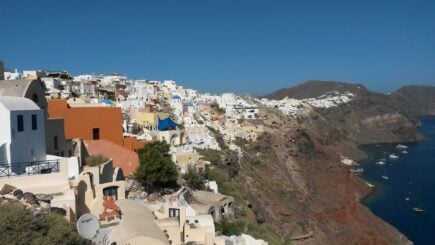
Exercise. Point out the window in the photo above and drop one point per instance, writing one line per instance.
(56, 143)
(20, 123)
(34, 122)
(174, 212)
(96, 133)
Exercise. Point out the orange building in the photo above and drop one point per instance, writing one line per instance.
(88, 122)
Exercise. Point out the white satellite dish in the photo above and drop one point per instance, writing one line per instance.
(87, 226)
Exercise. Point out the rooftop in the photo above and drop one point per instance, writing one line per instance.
(17, 103)
(14, 87)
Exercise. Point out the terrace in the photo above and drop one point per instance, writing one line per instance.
(29, 168)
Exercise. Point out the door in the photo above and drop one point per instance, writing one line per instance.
(96, 133)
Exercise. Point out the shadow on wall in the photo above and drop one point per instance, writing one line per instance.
(82, 208)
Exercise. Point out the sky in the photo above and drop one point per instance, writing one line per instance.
(252, 47)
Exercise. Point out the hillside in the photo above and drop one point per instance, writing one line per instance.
(313, 89)
(415, 100)
(312, 197)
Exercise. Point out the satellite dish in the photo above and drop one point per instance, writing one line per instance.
(87, 226)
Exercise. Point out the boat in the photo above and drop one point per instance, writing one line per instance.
(380, 162)
(358, 170)
(385, 175)
(404, 152)
(399, 146)
(393, 156)
(417, 210)
(407, 199)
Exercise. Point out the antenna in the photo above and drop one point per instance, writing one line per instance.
(88, 226)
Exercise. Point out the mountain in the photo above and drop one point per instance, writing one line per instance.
(415, 100)
(314, 88)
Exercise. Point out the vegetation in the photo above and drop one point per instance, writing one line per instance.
(245, 219)
(156, 168)
(215, 107)
(19, 226)
(230, 228)
(195, 180)
(214, 156)
(95, 160)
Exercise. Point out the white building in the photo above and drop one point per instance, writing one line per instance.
(22, 131)
(51, 83)
(12, 75)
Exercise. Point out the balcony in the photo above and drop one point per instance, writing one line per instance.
(29, 168)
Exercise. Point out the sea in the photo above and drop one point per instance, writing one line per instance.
(408, 182)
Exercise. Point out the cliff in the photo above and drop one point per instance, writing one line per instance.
(415, 100)
(292, 177)
(295, 181)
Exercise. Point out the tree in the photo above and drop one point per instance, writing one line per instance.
(20, 226)
(156, 168)
(194, 179)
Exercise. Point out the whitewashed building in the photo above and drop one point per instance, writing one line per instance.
(22, 131)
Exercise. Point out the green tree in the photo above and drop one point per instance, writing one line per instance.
(156, 168)
(194, 179)
(19, 226)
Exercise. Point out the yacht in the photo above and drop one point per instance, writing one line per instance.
(399, 146)
(393, 156)
(380, 162)
(404, 152)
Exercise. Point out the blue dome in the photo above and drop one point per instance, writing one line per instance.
(176, 97)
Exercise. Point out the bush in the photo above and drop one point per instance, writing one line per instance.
(156, 168)
(19, 226)
(228, 228)
(194, 180)
(95, 160)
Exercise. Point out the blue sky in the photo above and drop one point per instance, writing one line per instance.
(250, 46)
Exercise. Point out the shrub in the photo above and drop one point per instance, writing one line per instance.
(194, 179)
(230, 228)
(95, 160)
(19, 226)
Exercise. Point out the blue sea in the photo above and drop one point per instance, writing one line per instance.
(410, 183)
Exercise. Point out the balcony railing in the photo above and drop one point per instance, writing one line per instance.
(29, 168)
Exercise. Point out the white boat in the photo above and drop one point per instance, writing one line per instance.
(393, 156)
(399, 146)
(380, 162)
(385, 175)
(358, 170)
(404, 152)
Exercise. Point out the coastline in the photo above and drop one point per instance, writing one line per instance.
(408, 185)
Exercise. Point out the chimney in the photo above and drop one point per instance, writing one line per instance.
(2, 71)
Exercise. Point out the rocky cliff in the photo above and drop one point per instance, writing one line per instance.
(294, 181)
(415, 100)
